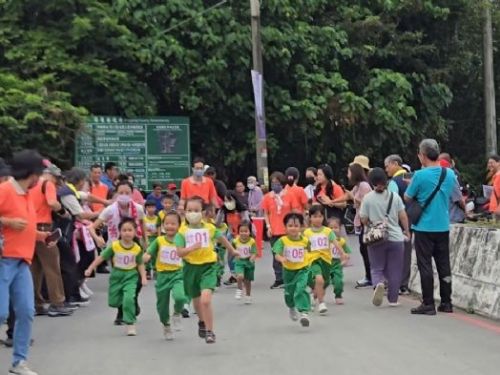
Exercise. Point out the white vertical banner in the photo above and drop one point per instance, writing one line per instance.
(258, 92)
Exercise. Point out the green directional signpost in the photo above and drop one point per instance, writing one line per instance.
(154, 149)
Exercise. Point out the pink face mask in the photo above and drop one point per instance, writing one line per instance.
(123, 200)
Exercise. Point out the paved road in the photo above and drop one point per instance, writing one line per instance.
(356, 338)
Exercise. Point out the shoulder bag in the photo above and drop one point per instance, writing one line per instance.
(378, 232)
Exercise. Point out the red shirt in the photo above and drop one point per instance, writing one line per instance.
(16, 203)
(298, 198)
(275, 214)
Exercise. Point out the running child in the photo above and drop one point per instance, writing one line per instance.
(244, 266)
(169, 278)
(127, 262)
(321, 240)
(168, 203)
(195, 244)
(152, 226)
(340, 255)
(291, 251)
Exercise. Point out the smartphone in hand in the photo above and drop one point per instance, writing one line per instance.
(54, 236)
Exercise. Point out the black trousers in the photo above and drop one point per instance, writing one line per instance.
(363, 249)
(435, 245)
(277, 266)
(69, 271)
(405, 279)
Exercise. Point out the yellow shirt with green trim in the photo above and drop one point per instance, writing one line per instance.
(152, 223)
(205, 233)
(296, 252)
(343, 243)
(164, 253)
(125, 259)
(246, 249)
(321, 242)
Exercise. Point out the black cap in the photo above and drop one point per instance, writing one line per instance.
(25, 163)
(4, 169)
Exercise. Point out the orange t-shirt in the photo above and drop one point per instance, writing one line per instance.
(276, 217)
(204, 189)
(43, 210)
(337, 192)
(15, 203)
(495, 193)
(298, 198)
(233, 220)
(101, 191)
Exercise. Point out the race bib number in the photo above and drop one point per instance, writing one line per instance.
(198, 235)
(294, 254)
(168, 255)
(319, 242)
(124, 261)
(336, 252)
(151, 228)
(244, 252)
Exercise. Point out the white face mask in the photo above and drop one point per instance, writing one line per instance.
(193, 218)
(230, 205)
(251, 186)
(123, 200)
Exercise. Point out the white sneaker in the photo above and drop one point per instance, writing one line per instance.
(378, 294)
(167, 332)
(322, 308)
(294, 314)
(22, 369)
(131, 331)
(87, 290)
(304, 320)
(83, 294)
(393, 304)
(248, 300)
(239, 294)
(314, 303)
(177, 322)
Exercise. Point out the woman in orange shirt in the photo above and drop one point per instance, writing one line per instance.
(327, 191)
(494, 169)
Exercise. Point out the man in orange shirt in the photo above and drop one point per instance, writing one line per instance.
(46, 259)
(276, 205)
(18, 221)
(198, 186)
(97, 188)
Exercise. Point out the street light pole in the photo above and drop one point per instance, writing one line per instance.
(258, 84)
(489, 84)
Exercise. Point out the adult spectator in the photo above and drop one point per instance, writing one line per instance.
(311, 174)
(97, 187)
(18, 222)
(240, 193)
(255, 196)
(156, 196)
(362, 160)
(172, 190)
(457, 203)
(46, 259)
(432, 229)
(327, 191)
(492, 167)
(297, 193)
(446, 161)
(71, 197)
(398, 184)
(136, 193)
(386, 257)
(110, 174)
(198, 185)
(276, 205)
(358, 180)
(220, 187)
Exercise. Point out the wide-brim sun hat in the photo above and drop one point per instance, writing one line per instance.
(362, 160)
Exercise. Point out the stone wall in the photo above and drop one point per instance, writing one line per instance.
(475, 268)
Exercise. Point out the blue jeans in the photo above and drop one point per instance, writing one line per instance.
(16, 286)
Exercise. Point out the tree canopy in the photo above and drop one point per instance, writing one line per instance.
(342, 77)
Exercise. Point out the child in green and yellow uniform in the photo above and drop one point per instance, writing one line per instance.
(340, 255)
(292, 252)
(168, 203)
(169, 277)
(244, 266)
(195, 244)
(210, 215)
(321, 240)
(127, 263)
(152, 227)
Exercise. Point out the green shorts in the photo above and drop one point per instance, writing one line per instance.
(246, 268)
(198, 277)
(320, 267)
